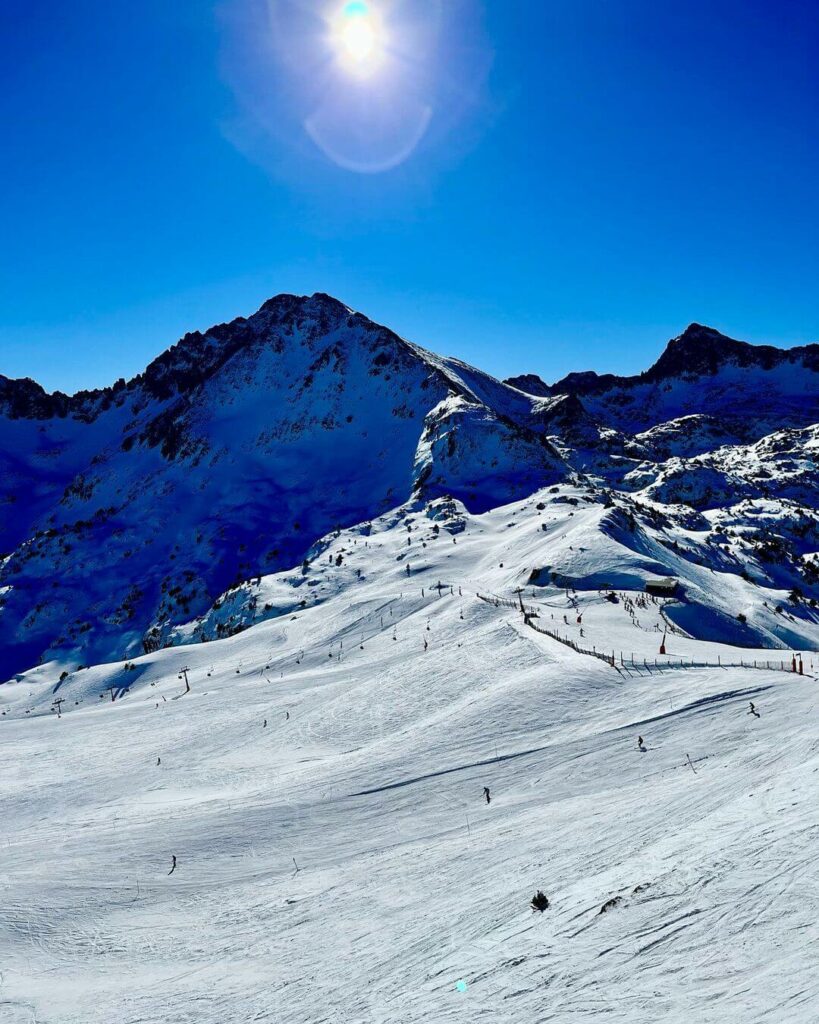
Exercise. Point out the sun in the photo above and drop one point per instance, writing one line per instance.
(359, 38)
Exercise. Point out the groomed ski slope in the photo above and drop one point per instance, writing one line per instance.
(410, 902)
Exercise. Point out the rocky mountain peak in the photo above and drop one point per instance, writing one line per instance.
(703, 351)
(700, 350)
(530, 384)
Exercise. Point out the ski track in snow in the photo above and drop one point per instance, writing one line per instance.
(342, 865)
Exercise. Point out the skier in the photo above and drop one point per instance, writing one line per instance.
(754, 711)
(539, 901)
(265, 724)
(159, 759)
(639, 742)
(287, 716)
(486, 794)
(173, 868)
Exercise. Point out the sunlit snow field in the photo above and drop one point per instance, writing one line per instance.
(340, 864)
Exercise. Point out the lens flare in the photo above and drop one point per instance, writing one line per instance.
(368, 82)
(359, 38)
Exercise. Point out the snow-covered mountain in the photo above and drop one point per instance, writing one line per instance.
(752, 389)
(275, 612)
(127, 512)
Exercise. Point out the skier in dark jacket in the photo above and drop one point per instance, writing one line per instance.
(539, 902)
(173, 867)
(486, 794)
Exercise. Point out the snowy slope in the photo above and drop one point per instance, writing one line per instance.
(281, 606)
(390, 701)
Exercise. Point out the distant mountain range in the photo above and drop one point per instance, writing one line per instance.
(127, 511)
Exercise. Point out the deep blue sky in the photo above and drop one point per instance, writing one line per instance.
(594, 177)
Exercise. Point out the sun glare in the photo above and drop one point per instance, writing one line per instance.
(358, 37)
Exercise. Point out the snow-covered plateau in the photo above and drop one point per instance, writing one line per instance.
(322, 654)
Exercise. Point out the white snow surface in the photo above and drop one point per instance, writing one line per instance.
(339, 863)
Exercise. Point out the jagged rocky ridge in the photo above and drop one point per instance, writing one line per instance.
(754, 388)
(126, 512)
